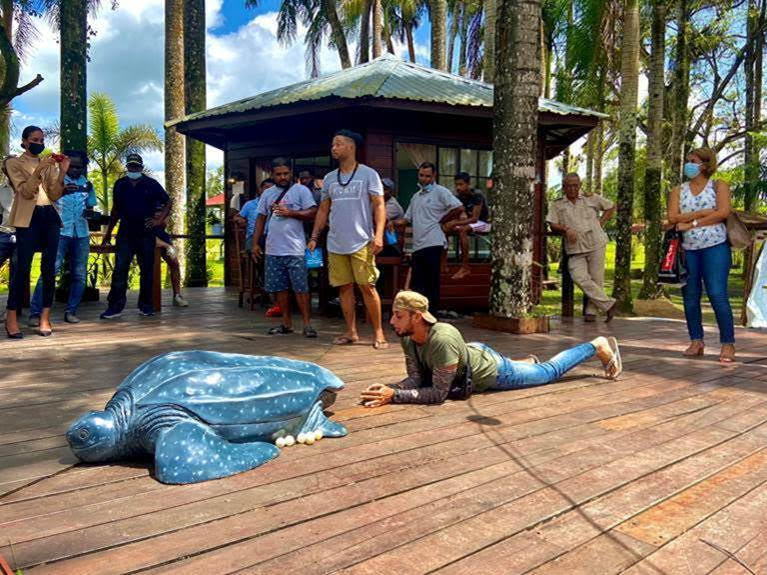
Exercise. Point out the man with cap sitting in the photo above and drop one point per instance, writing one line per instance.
(441, 365)
(141, 205)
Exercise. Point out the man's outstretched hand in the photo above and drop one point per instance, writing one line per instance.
(377, 395)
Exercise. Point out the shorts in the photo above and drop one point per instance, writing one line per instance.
(286, 272)
(359, 267)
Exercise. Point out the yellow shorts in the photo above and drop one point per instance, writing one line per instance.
(359, 267)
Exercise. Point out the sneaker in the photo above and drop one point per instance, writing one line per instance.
(71, 317)
(110, 314)
(274, 311)
(34, 321)
(146, 312)
(179, 301)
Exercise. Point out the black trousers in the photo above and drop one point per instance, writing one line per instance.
(141, 246)
(42, 235)
(426, 265)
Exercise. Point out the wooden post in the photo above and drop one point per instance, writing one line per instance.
(568, 290)
(157, 281)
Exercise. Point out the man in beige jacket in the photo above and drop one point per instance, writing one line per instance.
(581, 219)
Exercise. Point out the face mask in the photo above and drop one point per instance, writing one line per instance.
(691, 170)
(35, 149)
(426, 188)
(134, 175)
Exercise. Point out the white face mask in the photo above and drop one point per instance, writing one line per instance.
(134, 175)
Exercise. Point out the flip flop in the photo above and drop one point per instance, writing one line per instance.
(344, 340)
(380, 345)
(615, 367)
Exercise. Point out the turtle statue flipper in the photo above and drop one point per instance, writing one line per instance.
(316, 420)
(191, 451)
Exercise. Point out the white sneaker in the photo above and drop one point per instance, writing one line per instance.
(179, 301)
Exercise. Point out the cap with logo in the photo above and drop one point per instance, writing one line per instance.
(413, 301)
(134, 159)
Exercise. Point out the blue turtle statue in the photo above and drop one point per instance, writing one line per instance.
(206, 415)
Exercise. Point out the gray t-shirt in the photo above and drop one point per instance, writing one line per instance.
(351, 215)
(286, 235)
(425, 211)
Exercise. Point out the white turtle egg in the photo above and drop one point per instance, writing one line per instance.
(318, 435)
(301, 437)
(290, 440)
(309, 439)
(280, 442)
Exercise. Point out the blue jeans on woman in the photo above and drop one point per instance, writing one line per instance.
(517, 374)
(78, 250)
(712, 267)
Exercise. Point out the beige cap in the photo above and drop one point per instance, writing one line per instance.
(413, 301)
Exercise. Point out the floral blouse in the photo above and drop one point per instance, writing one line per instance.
(704, 236)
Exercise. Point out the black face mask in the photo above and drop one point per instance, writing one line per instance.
(35, 149)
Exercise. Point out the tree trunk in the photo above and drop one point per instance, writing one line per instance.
(5, 112)
(654, 171)
(491, 32)
(750, 153)
(454, 19)
(588, 181)
(337, 33)
(679, 113)
(626, 152)
(515, 145)
(378, 25)
(364, 48)
(438, 17)
(463, 52)
(410, 41)
(195, 101)
(73, 26)
(174, 108)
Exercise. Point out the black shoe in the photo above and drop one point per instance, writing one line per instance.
(71, 317)
(280, 330)
(34, 321)
(310, 332)
(17, 335)
(45, 332)
(611, 312)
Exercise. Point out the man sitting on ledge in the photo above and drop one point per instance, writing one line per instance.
(439, 361)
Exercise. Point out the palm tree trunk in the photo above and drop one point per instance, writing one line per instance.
(679, 113)
(438, 17)
(5, 112)
(588, 181)
(195, 101)
(491, 31)
(73, 26)
(750, 153)
(364, 47)
(410, 41)
(389, 44)
(337, 32)
(654, 171)
(174, 108)
(454, 18)
(378, 25)
(626, 153)
(515, 145)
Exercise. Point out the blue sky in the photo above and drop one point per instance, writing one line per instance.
(126, 62)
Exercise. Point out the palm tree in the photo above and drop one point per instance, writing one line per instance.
(174, 108)
(14, 44)
(195, 101)
(108, 144)
(679, 113)
(72, 19)
(490, 37)
(378, 28)
(404, 18)
(626, 153)
(654, 171)
(515, 137)
(438, 19)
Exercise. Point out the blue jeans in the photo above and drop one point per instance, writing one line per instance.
(78, 250)
(517, 374)
(712, 266)
(141, 246)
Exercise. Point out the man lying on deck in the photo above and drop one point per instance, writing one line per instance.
(441, 365)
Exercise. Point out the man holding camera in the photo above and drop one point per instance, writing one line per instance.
(141, 205)
(74, 242)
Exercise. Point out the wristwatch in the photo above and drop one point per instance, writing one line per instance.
(695, 223)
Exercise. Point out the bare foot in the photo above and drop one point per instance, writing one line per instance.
(346, 339)
(461, 273)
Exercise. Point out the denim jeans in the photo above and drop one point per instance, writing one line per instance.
(143, 248)
(518, 374)
(42, 235)
(712, 267)
(77, 249)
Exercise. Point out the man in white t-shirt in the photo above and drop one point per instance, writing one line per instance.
(352, 196)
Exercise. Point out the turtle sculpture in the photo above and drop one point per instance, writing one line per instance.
(206, 415)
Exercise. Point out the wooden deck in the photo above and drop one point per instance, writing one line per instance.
(664, 471)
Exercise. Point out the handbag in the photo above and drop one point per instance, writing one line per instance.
(314, 259)
(737, 233)
(673, 269)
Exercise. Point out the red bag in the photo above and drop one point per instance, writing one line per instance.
(672, 264)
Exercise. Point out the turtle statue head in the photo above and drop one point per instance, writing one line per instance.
(93, 437)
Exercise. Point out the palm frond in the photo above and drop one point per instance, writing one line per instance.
(104, 124)
(25, 32)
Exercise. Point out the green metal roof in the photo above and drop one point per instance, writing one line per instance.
(385, 77)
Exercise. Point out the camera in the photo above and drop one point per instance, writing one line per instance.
(95, 219)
